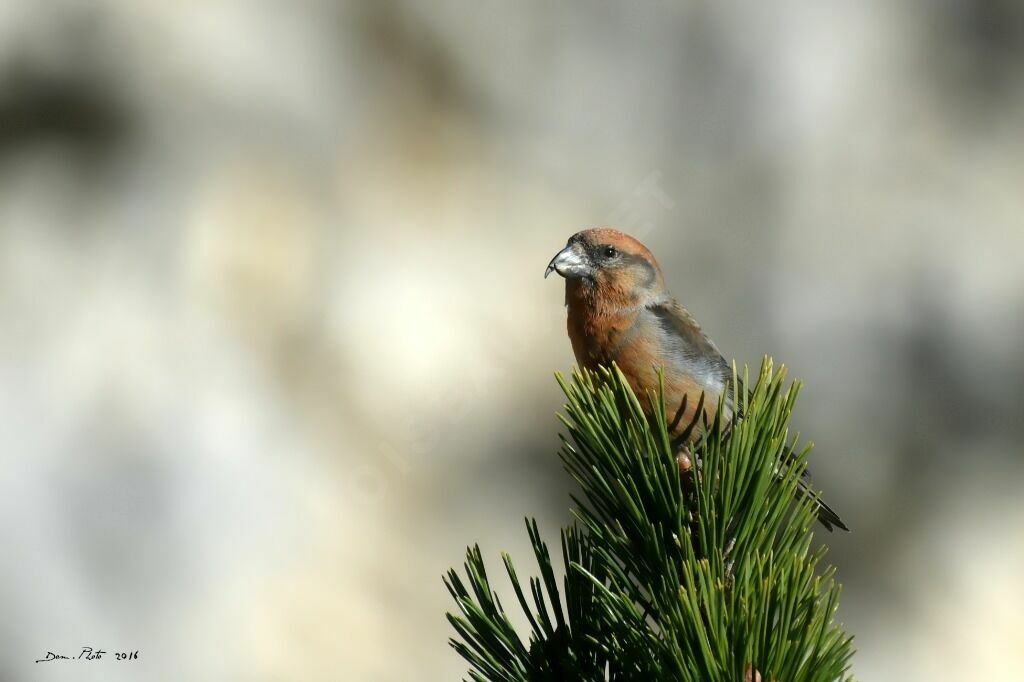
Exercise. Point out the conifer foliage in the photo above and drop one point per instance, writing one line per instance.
(707, 575)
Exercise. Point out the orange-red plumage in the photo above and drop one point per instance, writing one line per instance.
(620, 311)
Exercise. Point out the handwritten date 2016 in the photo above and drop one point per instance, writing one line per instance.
(90, 654)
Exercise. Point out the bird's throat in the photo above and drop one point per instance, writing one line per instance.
(598, 325)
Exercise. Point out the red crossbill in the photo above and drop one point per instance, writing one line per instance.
(620, 311)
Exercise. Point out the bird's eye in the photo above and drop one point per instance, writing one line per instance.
(610, 252)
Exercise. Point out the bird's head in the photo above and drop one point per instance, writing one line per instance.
(609, 263)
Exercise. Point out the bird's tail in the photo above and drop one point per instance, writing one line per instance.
(827, 516)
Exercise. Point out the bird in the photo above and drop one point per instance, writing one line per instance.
(620, 311)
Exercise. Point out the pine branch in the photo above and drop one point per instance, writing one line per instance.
(708, 576)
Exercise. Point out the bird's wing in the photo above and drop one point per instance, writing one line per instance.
(692, 352)
(688, 349)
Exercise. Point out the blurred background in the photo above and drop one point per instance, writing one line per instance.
(275, 346)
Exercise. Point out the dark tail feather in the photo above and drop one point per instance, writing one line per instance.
(827, 516)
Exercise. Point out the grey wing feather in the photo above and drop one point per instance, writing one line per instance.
(691, 348)
(688, 343)
(700, 357)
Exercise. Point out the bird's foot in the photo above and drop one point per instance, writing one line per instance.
(684, 460)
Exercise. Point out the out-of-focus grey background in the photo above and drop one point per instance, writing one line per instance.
(275, 345)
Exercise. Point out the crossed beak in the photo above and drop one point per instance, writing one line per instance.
(570, 262)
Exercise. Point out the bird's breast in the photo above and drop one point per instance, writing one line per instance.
(638, 346)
